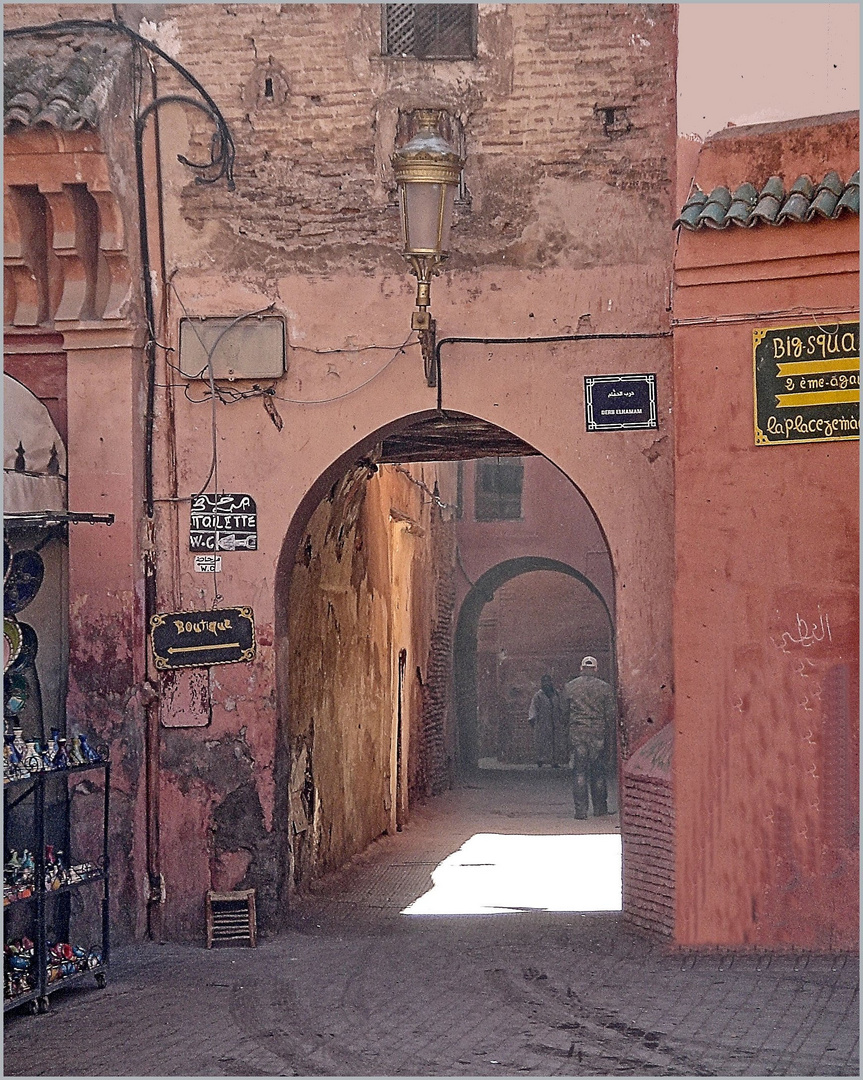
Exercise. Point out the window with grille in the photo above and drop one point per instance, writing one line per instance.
(497, 493)
(430, 31)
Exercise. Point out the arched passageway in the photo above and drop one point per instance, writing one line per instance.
(523, 618)
(369, 636)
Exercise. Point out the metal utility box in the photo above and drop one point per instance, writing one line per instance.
(245, 348)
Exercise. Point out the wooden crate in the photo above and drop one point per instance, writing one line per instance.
(231, 918)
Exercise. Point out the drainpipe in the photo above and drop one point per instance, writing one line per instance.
(155, 893)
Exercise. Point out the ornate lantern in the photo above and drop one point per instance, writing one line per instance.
(427, 171)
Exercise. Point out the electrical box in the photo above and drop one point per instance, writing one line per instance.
(244, 348)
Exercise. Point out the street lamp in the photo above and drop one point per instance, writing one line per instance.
(427, 171)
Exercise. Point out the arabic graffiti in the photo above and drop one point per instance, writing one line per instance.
(807, 635)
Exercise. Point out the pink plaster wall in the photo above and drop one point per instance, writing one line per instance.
(556, 523)
(766, 732)
(567, 227)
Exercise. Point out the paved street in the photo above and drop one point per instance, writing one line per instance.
(354, 987)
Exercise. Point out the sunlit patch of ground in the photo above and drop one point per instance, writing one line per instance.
(493, 874)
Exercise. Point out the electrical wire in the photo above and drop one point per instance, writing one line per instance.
(406, 344)
(531, 341)
(758, 316)
(222, 149)
(435, 498)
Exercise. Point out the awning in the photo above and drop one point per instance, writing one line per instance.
(34, 457)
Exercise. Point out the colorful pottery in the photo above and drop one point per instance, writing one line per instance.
(32, 758)
(60, 760)
(11, 642)
(75, 755)
(87, 751)
(18, 742)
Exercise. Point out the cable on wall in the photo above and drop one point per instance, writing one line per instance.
(531, 341)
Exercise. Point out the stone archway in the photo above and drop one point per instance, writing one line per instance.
(465, 642)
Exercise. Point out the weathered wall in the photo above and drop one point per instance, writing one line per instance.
(559, 210)
(556, 522)
(566, 226)
(72, 356)
(766, 746)
(362, 590)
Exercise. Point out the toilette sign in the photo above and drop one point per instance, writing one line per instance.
(807, 383)
(223, 523)
(620, 402)
(182, 639)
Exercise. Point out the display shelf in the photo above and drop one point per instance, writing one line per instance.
(45, 823)
(20, 999)
(10, 780)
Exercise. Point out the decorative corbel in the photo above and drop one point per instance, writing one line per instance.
(113, 279)
(68, 247)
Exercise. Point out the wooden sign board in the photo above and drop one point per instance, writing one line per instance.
(182, 639)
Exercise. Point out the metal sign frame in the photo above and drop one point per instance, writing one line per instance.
(635, 410)
(223, 522)
(806, 383)
(183, 639)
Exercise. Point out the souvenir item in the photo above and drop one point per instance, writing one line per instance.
(32, 758)
(18, 742)
(60, 760)
(22, 581)
(16, 693)
(28, 649)
(75, 755)
(11, 642)
(88, 753)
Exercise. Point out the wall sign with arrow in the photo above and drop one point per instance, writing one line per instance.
(183, 639)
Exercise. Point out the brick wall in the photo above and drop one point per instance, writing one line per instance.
(431, 769)
(313, 176)
(647, 826)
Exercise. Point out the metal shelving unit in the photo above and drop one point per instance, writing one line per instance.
(44, 900)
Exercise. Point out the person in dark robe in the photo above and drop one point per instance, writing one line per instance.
(545, 716)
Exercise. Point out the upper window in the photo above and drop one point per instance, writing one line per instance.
(497, 494)
(430, 31)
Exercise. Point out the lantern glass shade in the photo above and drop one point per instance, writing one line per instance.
(427, 217)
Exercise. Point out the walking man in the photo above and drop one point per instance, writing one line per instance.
(590, 706)
(549, 729)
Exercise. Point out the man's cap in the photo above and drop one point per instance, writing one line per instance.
(589, 662)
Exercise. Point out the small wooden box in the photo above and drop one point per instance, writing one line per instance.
(231, 918)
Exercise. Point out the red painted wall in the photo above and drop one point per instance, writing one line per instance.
(766, 734)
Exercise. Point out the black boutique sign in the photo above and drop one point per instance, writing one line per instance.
(620, 402)
(807, 383)
(183, 639)
(223, 523)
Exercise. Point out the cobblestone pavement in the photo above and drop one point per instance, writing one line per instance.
(354, 988)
